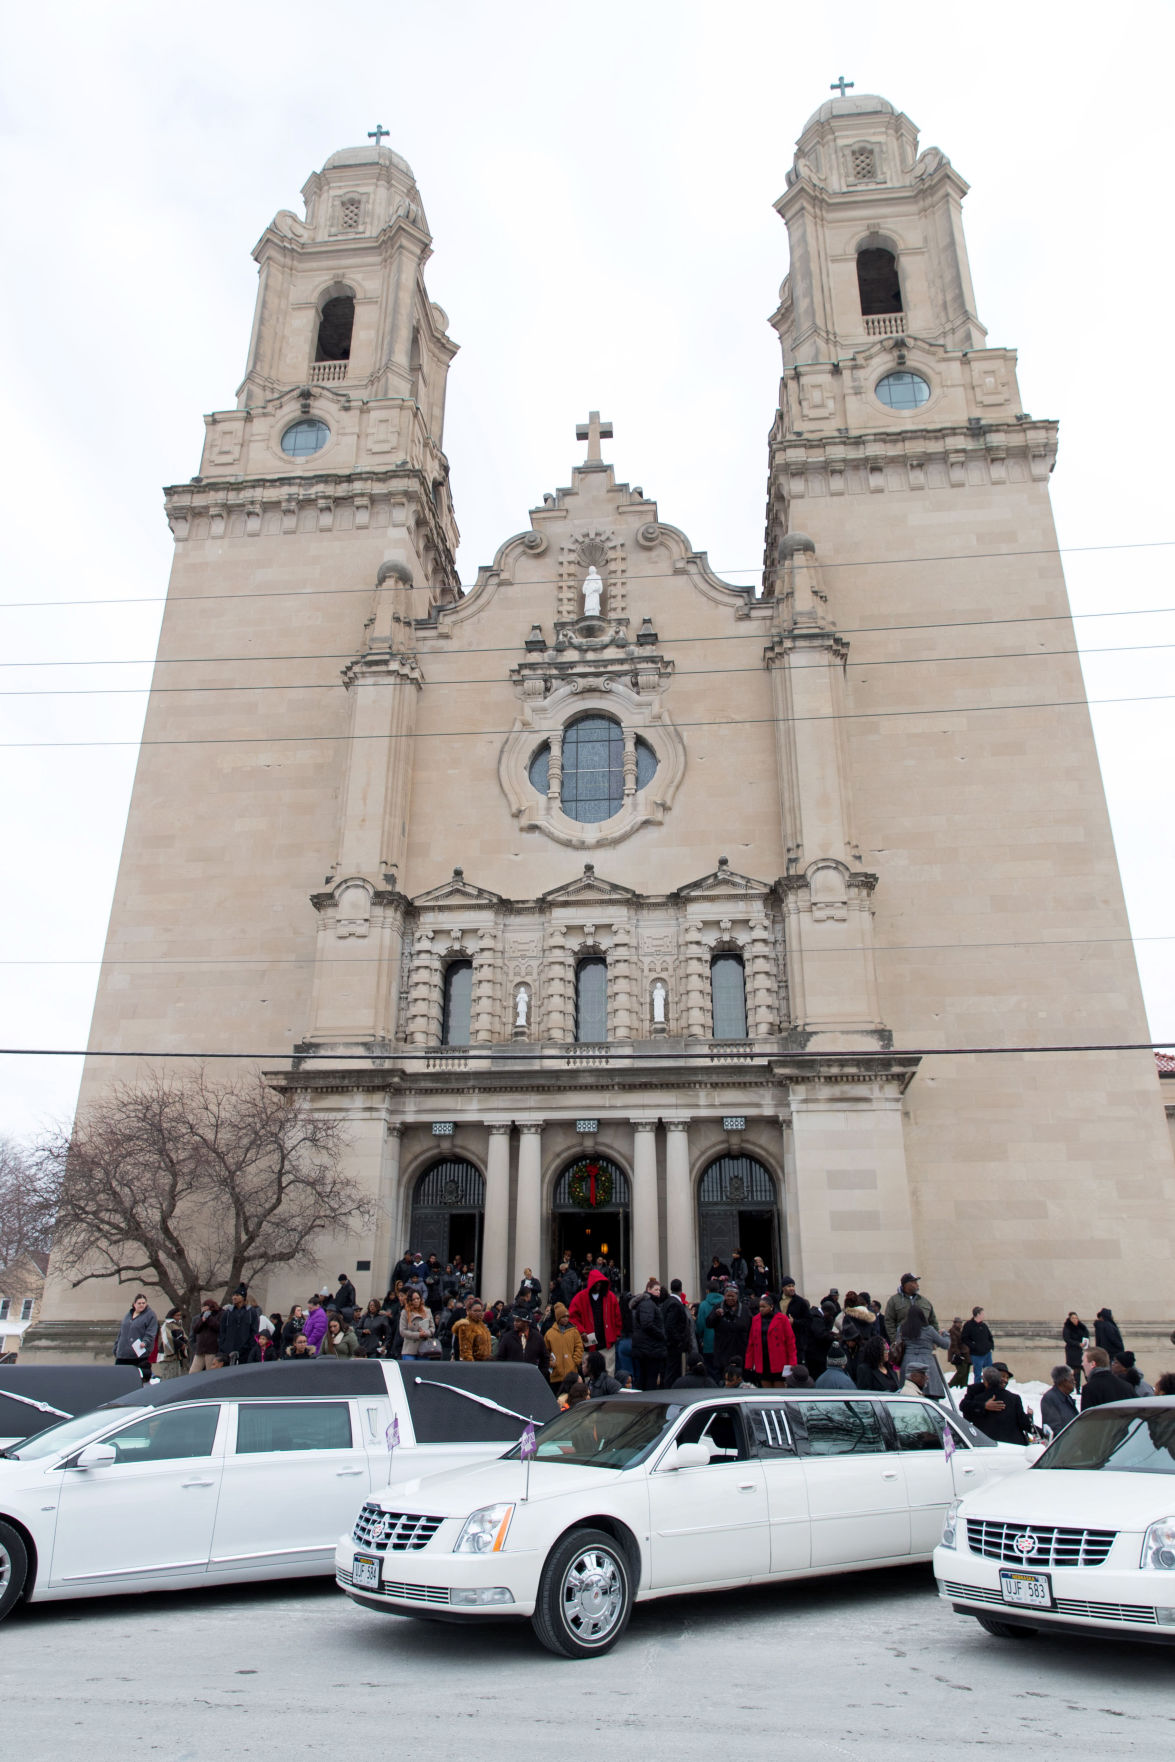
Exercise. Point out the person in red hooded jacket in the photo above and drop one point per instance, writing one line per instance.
(781, 1344)
(595, 1311)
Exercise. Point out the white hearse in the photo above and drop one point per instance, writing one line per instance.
(243, 1473)
(1084, 1542)
(641, 1496)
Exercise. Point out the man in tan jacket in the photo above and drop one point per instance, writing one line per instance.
(565, 1344)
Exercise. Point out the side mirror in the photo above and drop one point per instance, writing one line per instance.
(97, 1456)
(690, 1456)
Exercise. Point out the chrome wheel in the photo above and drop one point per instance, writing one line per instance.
(592, 1596)
(5, 1570)
(14, 1567)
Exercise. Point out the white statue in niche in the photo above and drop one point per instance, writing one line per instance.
(660, 999)
(521, 1007)
(593, 591)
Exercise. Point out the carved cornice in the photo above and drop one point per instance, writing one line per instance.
(902, 459)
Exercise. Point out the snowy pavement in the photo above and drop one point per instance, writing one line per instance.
(869, 1666)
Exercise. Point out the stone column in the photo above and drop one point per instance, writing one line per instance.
(695, 1012)
(646, 1216)
(528, 1218)
(491, 1274)
(681, 1235)
(387, 1216)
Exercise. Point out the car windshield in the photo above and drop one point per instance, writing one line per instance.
(60, 1437)
(1130, 1443)
(604, 1434)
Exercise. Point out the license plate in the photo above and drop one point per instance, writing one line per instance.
(365, 1572)
(1031, 1588)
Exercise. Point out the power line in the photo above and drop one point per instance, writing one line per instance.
(311, 960)
(558, 581)
(503, 1053)
(1134, 648)
(757, 636)
(1076, 703)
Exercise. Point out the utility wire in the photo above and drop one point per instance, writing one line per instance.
(1133, 648)
(756, 636)
(731, 722)
(559, 581)
(503, 1053)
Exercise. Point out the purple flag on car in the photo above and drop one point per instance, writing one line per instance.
(527, 1448)
(392, 1436)
(948, 1442)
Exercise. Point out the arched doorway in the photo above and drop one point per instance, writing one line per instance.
(590, 1213)
(738, 1207)
(448, 1205)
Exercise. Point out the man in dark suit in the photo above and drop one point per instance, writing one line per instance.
(995, 1410)
(1101, 1385)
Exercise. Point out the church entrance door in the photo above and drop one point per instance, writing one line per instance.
(590, 1214)
(738, 1207)
(448, 1206)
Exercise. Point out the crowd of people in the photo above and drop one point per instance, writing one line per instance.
(591, 1336)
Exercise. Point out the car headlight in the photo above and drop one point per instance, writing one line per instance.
(485, 1531)
(1158, 1545)
(950, 1524)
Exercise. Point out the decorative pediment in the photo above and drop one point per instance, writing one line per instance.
(724, 882)
(588, 887)
(457, 891)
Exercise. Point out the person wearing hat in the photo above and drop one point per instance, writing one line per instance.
(263, 1350)
(900, 1304)
(835, 1375)
(995, 1411)
(237, 1328)
(565, 1345)
(1123, 1365)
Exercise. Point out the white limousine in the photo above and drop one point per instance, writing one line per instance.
(642, 1496)
(244, 1473)
(1085, 1542)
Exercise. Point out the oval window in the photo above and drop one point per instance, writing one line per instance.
(305, 437)
(902, 391)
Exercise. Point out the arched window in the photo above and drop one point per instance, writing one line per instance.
(457, 1016)
(591, 999)
(728, 993)
(334, 329)
(877, 281)
(593, 769)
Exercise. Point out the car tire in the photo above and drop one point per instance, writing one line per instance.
(1006, 1630)
(585, 1595)
(14, 1567)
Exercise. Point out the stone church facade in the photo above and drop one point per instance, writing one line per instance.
(608, 881)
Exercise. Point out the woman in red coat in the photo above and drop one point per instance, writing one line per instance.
(781, 1345)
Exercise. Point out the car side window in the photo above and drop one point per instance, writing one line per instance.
(718, 1427)
(838, 1428)
(168, 1435)
(769, 1431)
(292, 1425)
(917, 1426)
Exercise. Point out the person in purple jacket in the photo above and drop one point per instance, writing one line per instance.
(315, 1323)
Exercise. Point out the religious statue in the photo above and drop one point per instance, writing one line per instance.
(521, 1007)
(660, 999)
(593, 588)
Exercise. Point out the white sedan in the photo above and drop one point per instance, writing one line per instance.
(1084, 1542)
(642, 1496)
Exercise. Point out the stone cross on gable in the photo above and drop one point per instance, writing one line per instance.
(593, 431)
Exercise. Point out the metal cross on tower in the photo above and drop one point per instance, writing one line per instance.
(593, 431)
(377, 134)
(842, 85)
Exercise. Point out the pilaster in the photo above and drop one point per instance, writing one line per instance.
(646, 1213)
(681, 1235)
(528, 1222)
(491, 1274)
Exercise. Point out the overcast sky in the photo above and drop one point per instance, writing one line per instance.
(598, 181)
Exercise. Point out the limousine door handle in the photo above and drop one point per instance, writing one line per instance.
(889, 1474)
(342, 1473)
(746, 1486)
(197, 1483)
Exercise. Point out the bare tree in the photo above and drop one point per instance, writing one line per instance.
(28, 1203)
(194, 1185)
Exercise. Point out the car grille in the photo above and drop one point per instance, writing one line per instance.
(1052, 1547)
(403, 1593)
(403, 1532)
(1140, 1613)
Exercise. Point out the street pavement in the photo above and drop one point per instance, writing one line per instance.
(869, 1666)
